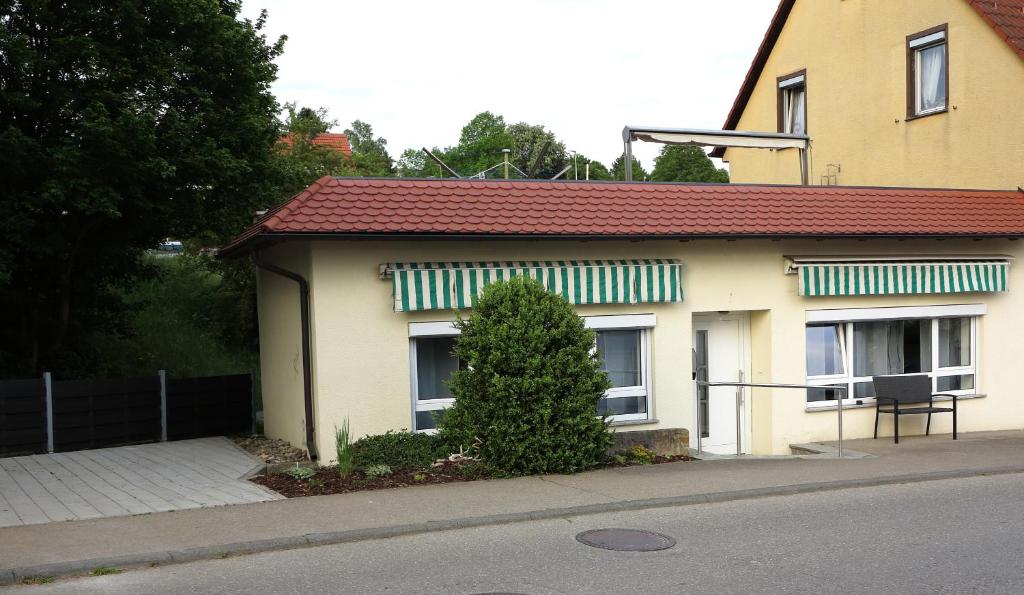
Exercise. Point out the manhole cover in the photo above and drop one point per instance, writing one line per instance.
(626, 540)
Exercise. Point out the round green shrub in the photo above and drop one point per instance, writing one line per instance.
(527, 393)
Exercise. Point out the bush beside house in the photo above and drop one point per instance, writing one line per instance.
(527, 393)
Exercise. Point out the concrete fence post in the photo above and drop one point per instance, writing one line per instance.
(48, 384)
(163, 405)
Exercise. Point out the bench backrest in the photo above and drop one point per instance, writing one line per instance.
(905, 389)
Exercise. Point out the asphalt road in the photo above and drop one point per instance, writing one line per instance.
(956, 536)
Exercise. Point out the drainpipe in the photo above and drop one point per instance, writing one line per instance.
(307, 373)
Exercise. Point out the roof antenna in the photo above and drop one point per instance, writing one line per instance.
(443, 165)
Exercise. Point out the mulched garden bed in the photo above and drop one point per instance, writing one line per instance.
(327, 481)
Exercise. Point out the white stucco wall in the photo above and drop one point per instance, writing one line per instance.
(361, 347)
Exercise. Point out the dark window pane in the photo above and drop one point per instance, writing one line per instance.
(619, 352)
(891, 347)
(427, 420)
(621, 405)
(825, 393)
(824, 353)
(954, 342)
(863, 390)
(434, 366)
(948, 383)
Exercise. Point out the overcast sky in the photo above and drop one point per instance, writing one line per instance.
(419, 71)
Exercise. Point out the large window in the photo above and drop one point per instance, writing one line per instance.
(432, 365)
(622, 346)
(792, 103)
(623, 356)
(927, 72)
(849, 354)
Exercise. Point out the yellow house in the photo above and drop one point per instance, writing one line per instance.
(922, 93)
(360, 281)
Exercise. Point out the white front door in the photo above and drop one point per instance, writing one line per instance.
(720, 356)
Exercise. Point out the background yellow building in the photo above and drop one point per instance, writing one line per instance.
(923, 93)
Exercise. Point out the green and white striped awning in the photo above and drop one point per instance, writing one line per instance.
(456, 285)
(908, 277)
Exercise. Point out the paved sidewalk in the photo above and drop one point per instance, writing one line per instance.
(60, 548)
(126, 480)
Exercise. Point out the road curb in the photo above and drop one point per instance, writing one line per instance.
(13, 575)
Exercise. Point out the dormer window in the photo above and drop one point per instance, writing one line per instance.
(792, 103)
(927, 72)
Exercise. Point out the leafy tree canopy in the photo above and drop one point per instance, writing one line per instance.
(678, 163)
(619, 169)
(369, 153)
(120, 124)
(298, 160)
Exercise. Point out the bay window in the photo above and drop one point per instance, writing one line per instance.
(849, 354)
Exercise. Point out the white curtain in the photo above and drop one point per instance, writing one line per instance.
(795, 114)
(932, 76)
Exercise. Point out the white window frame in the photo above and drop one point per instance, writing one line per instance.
(917, 46)
(933, 314)
(786, 89)
(627, 322)
(426, 330)
(642, 322)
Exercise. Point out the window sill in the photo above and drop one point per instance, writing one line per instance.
(910, 118)
(632, 422)
(872, 403)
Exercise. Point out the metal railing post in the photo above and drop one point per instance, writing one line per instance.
(700, 434)
(839, 409)
(48, 384)
(739, 425)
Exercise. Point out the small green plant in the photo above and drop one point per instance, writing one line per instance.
(300, 473)
(618, 459)
(36, 580)
(419, 477)
(343, 446)
(315, 483)
(641, 455)
(105, 570)
(377, 471)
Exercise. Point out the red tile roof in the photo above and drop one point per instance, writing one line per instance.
(524, 208)
(1005, 16)
(331, 140)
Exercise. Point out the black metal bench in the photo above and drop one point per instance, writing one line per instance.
(908, 390)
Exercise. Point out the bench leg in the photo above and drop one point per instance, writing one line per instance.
(928, 426)
(954, 420)
(876, 423)
(896, 427)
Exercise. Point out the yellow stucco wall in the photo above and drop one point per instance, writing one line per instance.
(855, 56)
(361, 347)
(280, 344)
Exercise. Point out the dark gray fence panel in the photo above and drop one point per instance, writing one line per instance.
(209, 406)
(22, 417)
(99, 413)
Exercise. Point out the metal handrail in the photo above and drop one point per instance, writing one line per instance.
(739, 450)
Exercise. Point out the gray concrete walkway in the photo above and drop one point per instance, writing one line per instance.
(184, 535)
(126, 480)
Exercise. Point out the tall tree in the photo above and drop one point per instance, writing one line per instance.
(300, 162)
(121, 123)
(527, 141)
(369, 153)
(619, 169)
(677, 163)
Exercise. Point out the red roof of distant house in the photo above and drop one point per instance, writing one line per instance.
(331, 140)
(523, 208)
(1005, 16)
